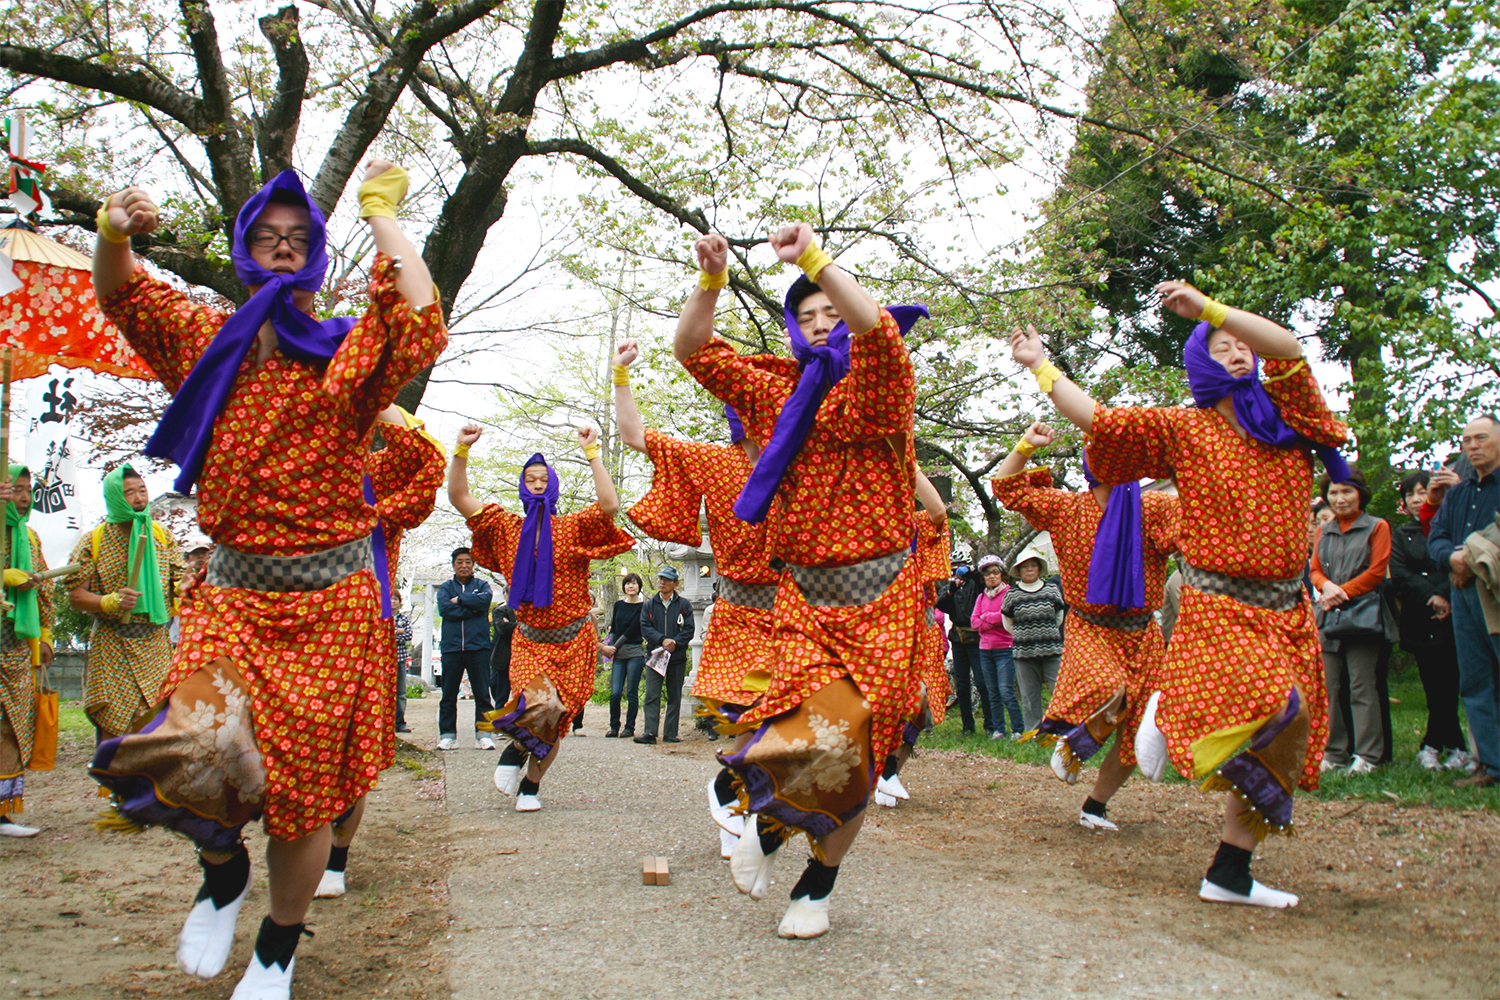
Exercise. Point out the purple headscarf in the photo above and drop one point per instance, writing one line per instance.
(1117, 569)
(382, 565)
(736, 426)
(822, 368)
(531, 576)
(1211, 382)
(186, 429)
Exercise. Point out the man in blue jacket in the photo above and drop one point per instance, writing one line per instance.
(464, 604)
(666, 623)
(1466, 508)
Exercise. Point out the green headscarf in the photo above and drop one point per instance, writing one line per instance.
(27, 613)
(152, 604)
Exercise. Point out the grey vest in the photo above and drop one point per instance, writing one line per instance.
(1343, 555)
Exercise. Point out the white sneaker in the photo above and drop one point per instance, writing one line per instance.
(483, 743)
(528, 803)
(892, 786)
(507, 778)
(1260, 895)
(1060, 766)
(1150, 743)
(1327, 765)
(888, 801)
(997, 735)
(1091, 822)
(724, 816)
(14, 829)
(750, 869)
(448, 743)
(207, 935)
(1459, 760)
(1427, 757)
(805, 918)
(1361, 766)
(330, 886)
(261, 983)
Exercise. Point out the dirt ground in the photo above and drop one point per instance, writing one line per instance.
(1397, 901)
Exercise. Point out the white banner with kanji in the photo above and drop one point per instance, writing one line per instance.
(52, 402)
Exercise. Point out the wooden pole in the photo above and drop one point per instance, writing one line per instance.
(135, 566)
(5, 552)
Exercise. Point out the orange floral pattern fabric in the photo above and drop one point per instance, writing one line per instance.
(1244, 513)
(53, 319)
(406, 476)
(689, 475)
(569, 665)
(847, 496)
(284, 473)
(934, 556)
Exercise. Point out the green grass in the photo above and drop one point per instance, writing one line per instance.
(1402, 780)
(72, 722)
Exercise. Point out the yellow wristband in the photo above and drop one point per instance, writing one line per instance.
(110, 604)
(619, 374)
(1025, 448)
(460, 451)
(109, 232)
(46, 635)
(1046, 374)
(591, 451)
(709, 282)
(1214, 312)
(380, 195)
(813, 260)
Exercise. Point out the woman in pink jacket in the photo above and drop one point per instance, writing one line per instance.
(995, 664)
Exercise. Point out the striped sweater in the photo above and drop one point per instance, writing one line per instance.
(1034, 618)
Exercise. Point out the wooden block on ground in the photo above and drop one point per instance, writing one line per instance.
(663, 875)
(648, 871)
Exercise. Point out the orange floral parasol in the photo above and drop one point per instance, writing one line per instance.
(52, 317)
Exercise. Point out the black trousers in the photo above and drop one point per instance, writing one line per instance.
(670, 688)
(477, 663)
(500, 675)
(1437, 666)
(966, 673)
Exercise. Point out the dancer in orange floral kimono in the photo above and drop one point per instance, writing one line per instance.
(932, 548)
(1242, 706)
(278, 700)
(735, 666)
(835, 428)
(401, 482)
(544, 556)
(1112, 545)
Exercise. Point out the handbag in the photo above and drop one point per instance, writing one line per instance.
(1359, 618)
(44, 735)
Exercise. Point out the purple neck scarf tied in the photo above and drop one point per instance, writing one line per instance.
(1117, 568)
(382, 565)
(186, 429)
(1211, 382)
(822, 369)
(531, 576)
(736, 426)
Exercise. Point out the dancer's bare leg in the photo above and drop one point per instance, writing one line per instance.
(294, 867)
(343, 834)
(1235, 830)
(1112, 773)
(837, 843)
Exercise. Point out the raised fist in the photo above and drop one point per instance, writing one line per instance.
(469, 434)
(626, 352)
(132, 212)
(1027, 348)
(1182, 298)
(587, 436)
(790, 241)
(377, 166)
(1040, 435)
(713, 253)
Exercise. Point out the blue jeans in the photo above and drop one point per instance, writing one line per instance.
(625, 675)
(999, 672)
(1478, 674)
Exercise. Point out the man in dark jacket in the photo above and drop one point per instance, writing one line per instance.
(956, 600)
(1426, 626)
(464, 605)
(502, 625)
(666, 623)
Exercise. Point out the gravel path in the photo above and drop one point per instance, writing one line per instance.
(551, 904)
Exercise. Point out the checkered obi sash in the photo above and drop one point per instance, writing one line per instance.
(848, 586)
(553, 636)
(283, 574)
(1120, 623)
(931, 616)
(135, 630)
(748, 595)
(1273, 595)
